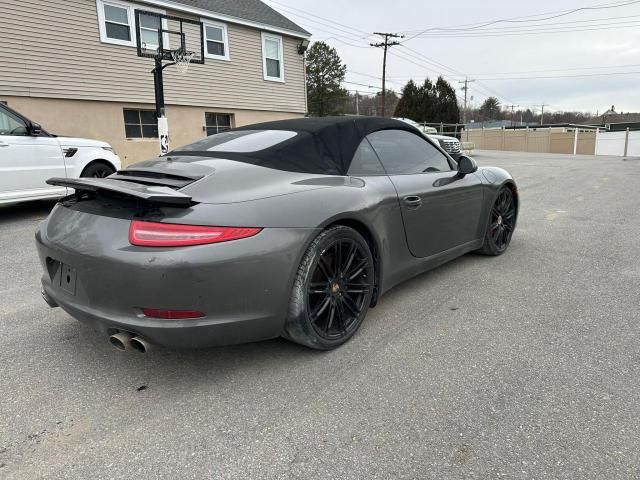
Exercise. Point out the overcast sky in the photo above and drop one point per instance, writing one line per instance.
(591, 42)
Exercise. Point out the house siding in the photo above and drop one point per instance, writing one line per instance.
(104, 121)
(61, 57)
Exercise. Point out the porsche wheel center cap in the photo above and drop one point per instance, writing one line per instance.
(335, 288)
(500, 220)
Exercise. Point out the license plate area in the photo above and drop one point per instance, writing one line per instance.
(68, 279)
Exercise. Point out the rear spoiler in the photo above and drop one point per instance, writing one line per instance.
(150, 193)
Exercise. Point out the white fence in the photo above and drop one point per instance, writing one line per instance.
(614, 143)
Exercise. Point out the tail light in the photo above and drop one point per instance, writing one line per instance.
(151, 234)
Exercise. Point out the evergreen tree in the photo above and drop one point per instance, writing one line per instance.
(409, 101)
(325, 73)
(447, 104)
(490, 109)
(427, 110)
(429, 102)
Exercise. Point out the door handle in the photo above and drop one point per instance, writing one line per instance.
(412, 201)
(2, 144)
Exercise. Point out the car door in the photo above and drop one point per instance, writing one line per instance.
(440, 209)
(27, 161)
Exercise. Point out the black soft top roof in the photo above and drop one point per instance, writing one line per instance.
(323, 145)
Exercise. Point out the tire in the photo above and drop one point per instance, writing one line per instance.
(501, 224)
(97, 170)
(332, 290)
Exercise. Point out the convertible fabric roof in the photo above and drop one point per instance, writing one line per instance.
(324, 145)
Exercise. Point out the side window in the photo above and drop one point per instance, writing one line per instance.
(365, 161)
(217, 122)
(140, 124)
(116, 22)
(216, 42)
(150, 25)
(405, 153)
(272, 57)
(12, 125)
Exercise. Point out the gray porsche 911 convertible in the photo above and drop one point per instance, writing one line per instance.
(292, 228)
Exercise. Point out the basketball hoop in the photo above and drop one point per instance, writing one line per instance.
(182, 59)
(186, 36)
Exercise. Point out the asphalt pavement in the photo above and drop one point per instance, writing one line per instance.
(525, 366)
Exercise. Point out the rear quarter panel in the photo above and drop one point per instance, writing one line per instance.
(370, 201)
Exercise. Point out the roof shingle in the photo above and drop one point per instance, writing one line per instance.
(251, 10)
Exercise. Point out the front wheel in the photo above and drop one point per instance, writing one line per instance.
(97, 170)
(332, 291)
(502, 222)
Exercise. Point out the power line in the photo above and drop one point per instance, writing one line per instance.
(608, 21)
(305, 12)
(420, 63)
(525, 19)
(386, 44)
(353, 34)
(559, 69)
(516, 33)
(415, 53)
(483, 88)
(354, 37)
(362, 85)
(600, 74)
(552, 24)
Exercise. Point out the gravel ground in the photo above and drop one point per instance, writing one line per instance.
(529, 370)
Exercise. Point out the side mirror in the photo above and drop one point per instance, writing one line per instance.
(466, 165)
(35, 129)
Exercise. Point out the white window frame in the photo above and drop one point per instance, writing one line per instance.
(225, 40)
(131, 8)
(277, 38)
(102, 23)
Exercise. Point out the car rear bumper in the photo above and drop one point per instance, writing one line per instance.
(243, 286)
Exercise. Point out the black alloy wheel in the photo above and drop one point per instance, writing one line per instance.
(333, 289)
(97, 170)
(339, 288)
(502, 222)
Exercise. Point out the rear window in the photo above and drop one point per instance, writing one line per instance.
(243, 141)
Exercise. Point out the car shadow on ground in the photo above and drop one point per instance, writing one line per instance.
(190, 368)
(32, 210)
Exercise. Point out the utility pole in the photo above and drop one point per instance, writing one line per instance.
(466, 89)
(512, 113)
(386, 45)
(542, 105)
(357, 103)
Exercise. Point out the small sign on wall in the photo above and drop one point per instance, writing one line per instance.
(163, 135)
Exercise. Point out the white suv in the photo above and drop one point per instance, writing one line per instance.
(451, 145)
(29, 156)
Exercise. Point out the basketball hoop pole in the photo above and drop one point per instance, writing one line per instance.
(163, 124)
(159, 88)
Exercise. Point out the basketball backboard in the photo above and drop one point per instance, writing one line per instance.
(166, 37)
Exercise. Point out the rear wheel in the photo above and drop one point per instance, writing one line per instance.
(97, 170)
(332, 290)
(502, 222)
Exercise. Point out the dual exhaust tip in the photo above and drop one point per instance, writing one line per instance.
(126, 341)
